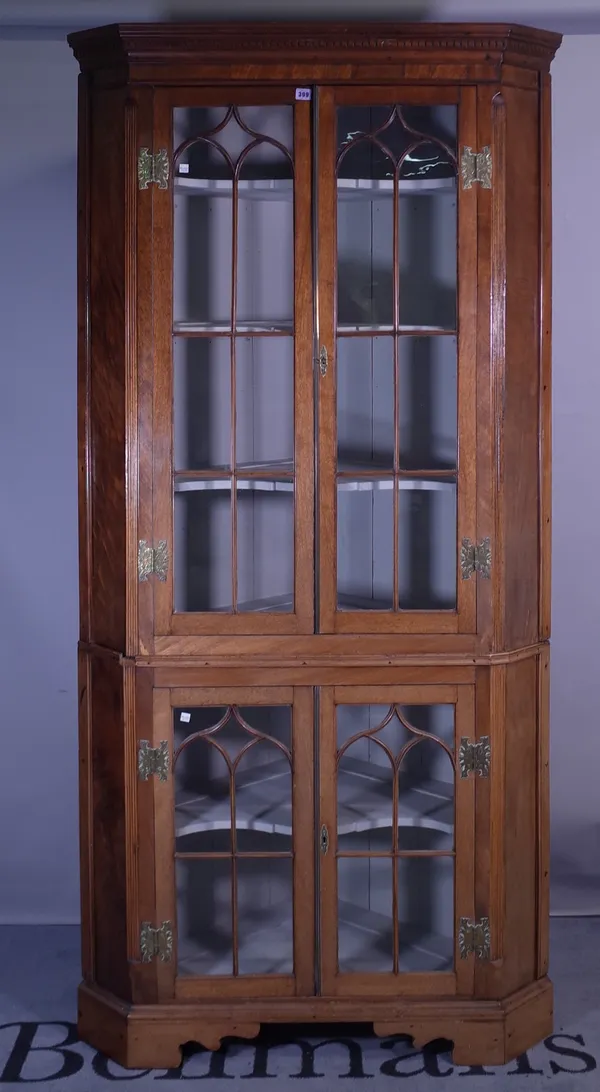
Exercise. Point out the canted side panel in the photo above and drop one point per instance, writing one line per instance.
(520, 824)
(106, 426)
(109, 872)
(521, 376)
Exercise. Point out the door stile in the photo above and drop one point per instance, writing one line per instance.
(464, 841)
(326, 357)
(304, 425)
(467, 366)
(162, 264)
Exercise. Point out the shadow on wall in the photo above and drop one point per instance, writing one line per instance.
(300, 10)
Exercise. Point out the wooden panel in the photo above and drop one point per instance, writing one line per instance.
(543, 813)
(140, 413)
(109, 831)
(520, 395)
(545, 423)
(86, 822)
(520, 824)
(83, 359)
(507, 881)
(306, 675)
(107, 286)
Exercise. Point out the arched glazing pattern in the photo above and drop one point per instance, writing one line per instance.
(395, 837)
(233, 840)
(397, 357)
(233, 358)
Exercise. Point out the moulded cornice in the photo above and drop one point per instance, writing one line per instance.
(151, 43)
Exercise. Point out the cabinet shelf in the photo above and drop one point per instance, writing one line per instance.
(281, 189)
(346, 485)
(268, 326)
(263, 803)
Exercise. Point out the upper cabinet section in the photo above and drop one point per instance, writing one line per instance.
(304, 262)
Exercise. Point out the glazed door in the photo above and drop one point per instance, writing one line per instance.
(234, 837)
(233, 350)
(397, 822)
(397, 293)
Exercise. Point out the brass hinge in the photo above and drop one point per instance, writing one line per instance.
(476, 167)
(153, 760)
(474, 938)
(475, 558)
(156, 943)
(153, 168)
(475, 758)
(153, 560)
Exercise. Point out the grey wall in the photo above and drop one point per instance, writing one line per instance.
(38, 574)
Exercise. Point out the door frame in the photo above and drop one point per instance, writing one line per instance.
(167, 622)
(330, 619)
(301, 983)
(460, 981)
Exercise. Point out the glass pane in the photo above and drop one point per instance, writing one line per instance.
(202, 402)
(365, 242)
(365, 917)
(365, 781)
(365, 403)
(250, 748)
(426, 798)
(427, 241)
(427, 403)
(426, 913)
(265, 545)
(265, 242)
(365, 544)
(204, 918)
(203, 218)
(211, 144)
(265, 402)
(202, 545)
(265, 915)
(427, 548)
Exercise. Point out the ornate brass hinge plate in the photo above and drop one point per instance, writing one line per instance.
(474, 938)
(153, 760)
(156, 943)
(153, 169)
(476, 558)
(475, 757)
(476, 167)
(153, 560)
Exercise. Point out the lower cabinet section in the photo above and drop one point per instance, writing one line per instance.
(314, 841)
(314, 852)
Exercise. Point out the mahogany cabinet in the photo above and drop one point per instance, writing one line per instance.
(314, 451)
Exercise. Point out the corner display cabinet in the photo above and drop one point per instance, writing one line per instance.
(314, 444)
